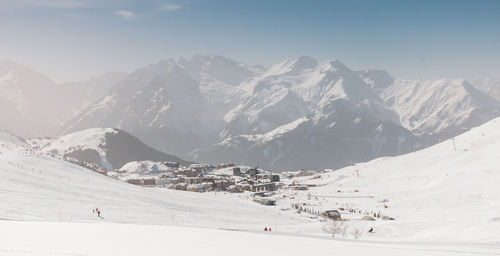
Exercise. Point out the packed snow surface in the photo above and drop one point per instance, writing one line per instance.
(119, 239)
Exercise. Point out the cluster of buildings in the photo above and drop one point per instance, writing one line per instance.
(203, 178)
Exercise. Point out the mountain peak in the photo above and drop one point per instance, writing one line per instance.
(304, 62)
(338, 66)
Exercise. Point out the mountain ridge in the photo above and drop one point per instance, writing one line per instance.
(197, 107)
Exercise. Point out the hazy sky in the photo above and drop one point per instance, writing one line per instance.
(77, 39)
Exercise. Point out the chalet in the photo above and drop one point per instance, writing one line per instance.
(223, 184)
(198, 187)
(237, 171)
(162, 181)
(135, 181)
(252, 172)
(181, 186)
(187, 172)
(148, 182)
(269, 176)
(235, 189)
(244, 186)
(194, 180)
(332, 214)
(263, 187)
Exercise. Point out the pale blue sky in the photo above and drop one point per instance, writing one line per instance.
(77, 39)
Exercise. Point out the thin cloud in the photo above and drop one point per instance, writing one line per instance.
(124, 14)
(171, 7)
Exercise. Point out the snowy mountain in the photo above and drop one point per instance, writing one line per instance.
(175, 105)
(31, 104)
(298, 113)
(490, 86)
(309, 114)
(305, 114)
(107, 147)
(443, 107)
(28, 100)
(80, 94)
(301, 113)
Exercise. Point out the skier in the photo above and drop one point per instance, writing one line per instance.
(98, 213)
(370, 230)
(265, 229)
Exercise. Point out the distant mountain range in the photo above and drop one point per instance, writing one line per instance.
(31, 104)
(300, 113)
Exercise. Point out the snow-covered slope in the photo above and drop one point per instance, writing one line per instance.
(10, 143)
(447, 192)
(53, 238)
(110, 148)
(39, 188)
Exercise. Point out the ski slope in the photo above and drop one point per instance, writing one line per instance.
(448, 192)
(72, 239)
(38, 188)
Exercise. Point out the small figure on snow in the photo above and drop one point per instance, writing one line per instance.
(265, 229)
(98, 213)
(370, 230)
